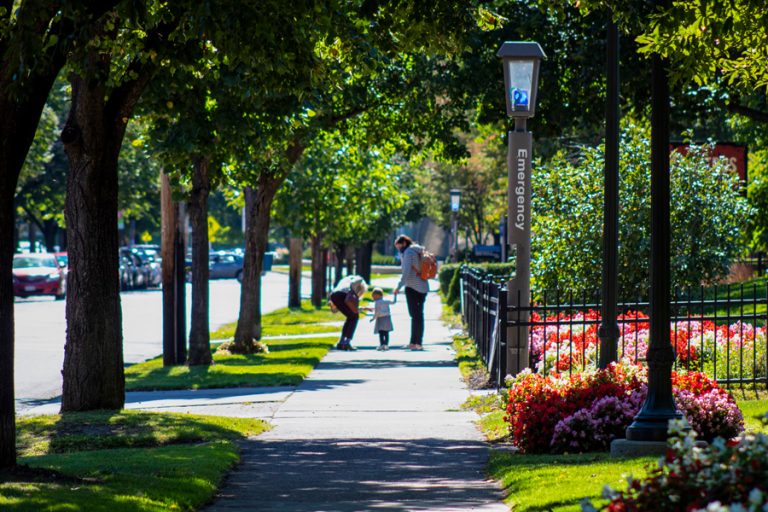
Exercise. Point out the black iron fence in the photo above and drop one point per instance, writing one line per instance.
(720, 330)
(483, 308)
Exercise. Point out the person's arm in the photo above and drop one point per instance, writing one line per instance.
(407, 265)
(352, 302)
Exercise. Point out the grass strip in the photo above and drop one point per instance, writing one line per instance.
(560, 482)
(126, 461)
(288, 362)
(470, 363)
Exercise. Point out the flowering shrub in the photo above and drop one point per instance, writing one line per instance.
(561, 343)
(718, 477)
(594, 428)
(586, 411)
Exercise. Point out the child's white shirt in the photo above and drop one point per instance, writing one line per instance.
(381, 308)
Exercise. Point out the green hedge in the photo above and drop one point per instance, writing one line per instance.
(445, 275)
(382, 259)
(450, 279)
(501, 272)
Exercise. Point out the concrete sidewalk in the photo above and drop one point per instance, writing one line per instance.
(370, 430)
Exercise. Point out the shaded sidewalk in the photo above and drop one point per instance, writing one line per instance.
(370, 430)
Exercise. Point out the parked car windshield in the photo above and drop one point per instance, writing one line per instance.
(34, 261)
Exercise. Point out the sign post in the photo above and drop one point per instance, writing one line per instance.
(519, 229)
(520, 61)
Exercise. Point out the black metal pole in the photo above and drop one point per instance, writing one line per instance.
(651, 423)
(608, 331)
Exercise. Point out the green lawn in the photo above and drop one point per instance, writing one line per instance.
(751, 409)
(288, 362)
(286, 321)
(756, 288)
(559, 482)
(127, 461)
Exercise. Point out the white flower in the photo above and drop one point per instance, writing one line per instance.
(755, 497)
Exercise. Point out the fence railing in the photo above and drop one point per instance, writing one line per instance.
(483, 308)
(719, 330)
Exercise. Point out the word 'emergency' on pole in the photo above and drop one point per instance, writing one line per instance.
(522, 157)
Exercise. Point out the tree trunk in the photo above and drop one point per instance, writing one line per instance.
(18, 122)
(294, 272)
(92, 136)
(318, 272)
(324, 259)
(350, 257)
(340, 253)
(169, 234)
(50, 230)
(258, 203)
(22, 98)
(363, 261)
(199, 333)
(31, 235)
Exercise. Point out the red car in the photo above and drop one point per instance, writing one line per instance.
(38, 274)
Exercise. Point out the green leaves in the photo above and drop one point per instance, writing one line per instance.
(707, 38)
(707, 216)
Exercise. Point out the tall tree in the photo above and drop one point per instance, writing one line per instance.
(109, 75)
(35, 39)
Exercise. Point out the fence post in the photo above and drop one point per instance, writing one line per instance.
(462, 291)
(501, 351)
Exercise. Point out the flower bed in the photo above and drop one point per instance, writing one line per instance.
(585, 411)
(722, 351)
(720, 477)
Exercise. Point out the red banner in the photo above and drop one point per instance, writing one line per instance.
(735, 155)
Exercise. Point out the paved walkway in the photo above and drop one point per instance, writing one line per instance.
(370, 430)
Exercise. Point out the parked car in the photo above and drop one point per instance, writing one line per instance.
(38, 274)
(149, 259)
(147, 271)
(221, 265)
(62, 259)
(225, 265)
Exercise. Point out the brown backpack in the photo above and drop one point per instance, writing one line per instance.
(428, 266)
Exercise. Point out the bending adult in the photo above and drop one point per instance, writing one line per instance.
(345, 297)
(416, 288)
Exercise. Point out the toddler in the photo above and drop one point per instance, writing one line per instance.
(382, 317)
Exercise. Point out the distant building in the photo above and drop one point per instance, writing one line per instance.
(425, 232)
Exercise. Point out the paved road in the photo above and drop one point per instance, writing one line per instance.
(41, 330)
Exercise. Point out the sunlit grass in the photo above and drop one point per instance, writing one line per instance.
(288, 362)
(560, 482)
(127, 461)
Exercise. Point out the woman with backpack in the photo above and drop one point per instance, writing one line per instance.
(416, 287)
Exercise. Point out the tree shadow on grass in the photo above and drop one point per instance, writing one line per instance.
(178, 477)
(97, 430)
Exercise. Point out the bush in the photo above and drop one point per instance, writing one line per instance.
(383, 259)
(445, 275)
(708, 213)
(719, 477)
(499, 272)
(586, 411)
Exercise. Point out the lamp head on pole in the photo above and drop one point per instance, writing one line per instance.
(521, 76)
(455, 199)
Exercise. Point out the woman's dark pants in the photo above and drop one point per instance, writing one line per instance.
(350, 324)
(415, 302)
